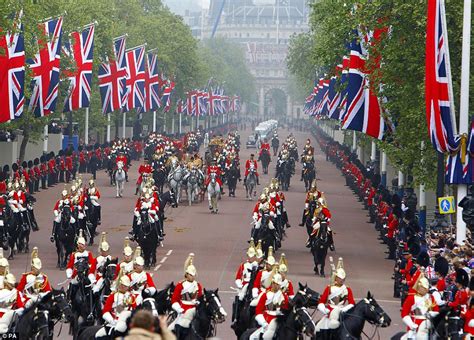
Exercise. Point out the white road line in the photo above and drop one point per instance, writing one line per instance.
(169, 252)
(157, 267)
(164, 259)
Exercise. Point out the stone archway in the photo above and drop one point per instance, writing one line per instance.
(274, 100)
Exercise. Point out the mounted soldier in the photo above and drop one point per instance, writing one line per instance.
(251, 165)
(100, 261)
(140, 280)
(11, 303)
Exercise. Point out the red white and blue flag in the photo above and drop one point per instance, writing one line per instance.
(45, 68)
(166, 98)
(135, 81)
(152, 83)
(112, 75)
(363, 109)
(80, 80)
(12, 72)
(438, 94)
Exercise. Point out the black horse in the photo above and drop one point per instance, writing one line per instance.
(283, 173)
(233, 175)
(92, 219)
(309, 174)
(265, 159)
(64, 237)
(242, 312)
(353, 321)
(107, 271)
(265, 234)
(319, 242)
(209, 312)
(147, 237)
(163, 299)
(81, 297)
(38, 320)
(160, 174)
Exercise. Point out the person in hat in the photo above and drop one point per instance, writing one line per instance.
(262, 207)
(147, 204)
(93, 194)
(441, 268)
(216, 170)
(118, 308)
(141, 281)
(34, 284)
(263, 278)
(421, 263)
(126, 266)
(81, 254)
(11, 302)
(104, 256)
(251, 165)
(244, 272)
(64, 201)
(122, 158)
(145, 170)
(185, 298)
(44, 172)
(417, 307)
(462, 294)
(270, 305)
(264, 146)
(468, 316)
(336, 298)
(4, 268)
(37, 174)
(287, 285)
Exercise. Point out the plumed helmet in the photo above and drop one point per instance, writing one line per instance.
(270, 258)
(35, 260)
(125, 280)
(10, 278)
(423, 283)
(3, 260)
(127, 250)
(283, 264)
(277, 278)
(341, 273)
(441, 266)
(138, 256)
(251, 252)
(189, 267)
(258, 249)
(103, 244)
(81, 239)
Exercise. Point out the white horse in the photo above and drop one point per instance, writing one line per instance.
(119, 178)
(250, 184)
(213, 193)
(194, 181)
(175, 180)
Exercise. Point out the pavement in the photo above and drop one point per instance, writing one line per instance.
(219, 241)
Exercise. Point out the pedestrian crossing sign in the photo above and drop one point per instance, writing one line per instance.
(446, 205)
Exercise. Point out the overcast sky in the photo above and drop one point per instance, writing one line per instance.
(179, 6)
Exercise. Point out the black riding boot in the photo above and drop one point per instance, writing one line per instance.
(258, 181)
(303, 219)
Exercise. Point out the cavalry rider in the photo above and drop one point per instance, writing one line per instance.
(335, 299)
(251, 164)
(122, 158)
(77, 199)
(4, 268)
(306, 160)
(308, 149)
(263, 207)
(34, 284)
(270, 305)
(147, 204)
(417, 308)
(264, 146)
(11, 302)
(81, 254)
(144, 170)
(126, 266)
(287, 285)
(94, 195)
(100, 261)
(243, 276)
(117, 308)
(263, 279)
(185, 298)
(313, 195)
(213, 168)
(140, 280)
(57, 210)
(277, 198)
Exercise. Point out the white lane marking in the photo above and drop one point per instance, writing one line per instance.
(357, 299)
(157, 267)
(164, 259)
(169, 252)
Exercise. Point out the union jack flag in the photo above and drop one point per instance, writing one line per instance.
(112, 76)
(135, 81)
(438, 94)
(152, 83)
(166, 98)
(45, 68)
(12, 72)
(79, 93)
(363, 109)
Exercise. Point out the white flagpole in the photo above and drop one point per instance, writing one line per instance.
(86, 128)
(154, 121)
(108, 127)
(180, 122)
(464, 111)
(45, 139)
(124, 124)
(172, 124)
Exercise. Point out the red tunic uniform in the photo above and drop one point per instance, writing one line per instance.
(214, 169)
(247, 166)
(143, 169)
(123, 159)
(182, 298)
(267, 308)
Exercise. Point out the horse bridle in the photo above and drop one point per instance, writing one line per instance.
(379, 316)
(297, 317)
(46, 325)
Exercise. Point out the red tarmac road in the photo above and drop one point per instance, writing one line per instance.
(220, 241)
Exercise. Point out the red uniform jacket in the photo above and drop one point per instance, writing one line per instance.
(262, 307)
(22, 284)
(92, 264)
(327, 292)
(177, 296)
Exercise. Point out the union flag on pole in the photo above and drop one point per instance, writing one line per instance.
(166, 98)
(80, 80)
(12, 72)
(45, 68)
(152, 83)
(135, 81)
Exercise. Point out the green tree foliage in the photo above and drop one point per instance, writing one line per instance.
(145, 21)
(402, 70)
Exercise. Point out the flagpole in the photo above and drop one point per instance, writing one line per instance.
(464, 111)
(180, 122)
(108, 127)
(86, 128)
(383, 169)
(154, 121)
(172, 124)
(124, 124)
(45, 139)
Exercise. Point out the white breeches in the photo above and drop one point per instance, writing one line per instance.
(242, 292)
(422, 332)
(259, 223)
(184, 320)
(120, 324)
(5, 321)
(268, 331)
(98, 285)
(330, 321)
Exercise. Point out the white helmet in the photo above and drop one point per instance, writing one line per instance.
(10, 278)
(341, 273)
(125, 280)
(277, 278)
(81, 239)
